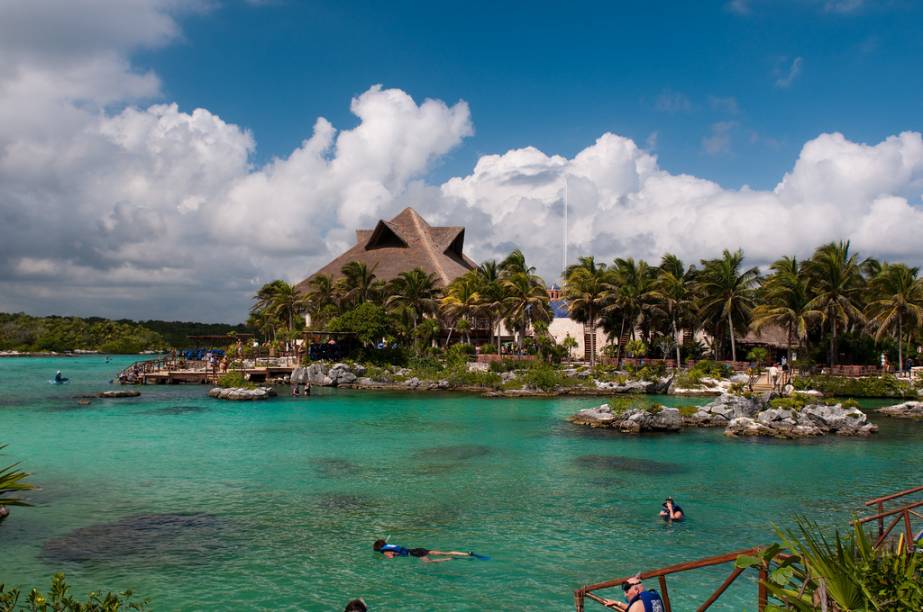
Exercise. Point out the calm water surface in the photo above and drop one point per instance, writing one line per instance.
(203, 504)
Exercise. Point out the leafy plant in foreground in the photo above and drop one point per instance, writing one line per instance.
(848, 573)
(59, 600)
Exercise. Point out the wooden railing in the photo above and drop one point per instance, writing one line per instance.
(901, 514)
(587, 591)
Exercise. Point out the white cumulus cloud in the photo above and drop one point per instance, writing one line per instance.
(116, 202)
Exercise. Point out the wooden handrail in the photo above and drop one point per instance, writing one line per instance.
(879, 500)
(673, 569)
(661, 574)
(882, 515)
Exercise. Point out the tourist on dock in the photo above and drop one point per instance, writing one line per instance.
(638, 599)
(392, 551)
(773, 376)
(670, 511)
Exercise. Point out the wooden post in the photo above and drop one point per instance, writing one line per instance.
(762, 597)
(664, 594)
(578, 600)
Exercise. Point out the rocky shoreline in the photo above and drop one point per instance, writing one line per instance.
(739, 416)
(906, 410)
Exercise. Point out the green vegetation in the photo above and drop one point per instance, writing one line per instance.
(542, 376)
(11, 481)
(59, 600)
(692, 378)
(25, 333)
(833, 307)
(688, 411)
(841, 386)
(234, 380)
(625, 403)
(848, 573)
(176, 333)
(797, 401)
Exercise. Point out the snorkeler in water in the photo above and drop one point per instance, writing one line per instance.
(392, 551)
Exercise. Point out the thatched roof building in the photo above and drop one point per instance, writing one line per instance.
(405, 242)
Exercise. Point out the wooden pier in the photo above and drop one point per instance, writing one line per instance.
(173, 371)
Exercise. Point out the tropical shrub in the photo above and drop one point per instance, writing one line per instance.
(844, 386)
(488, 349)
(59, 600)
(845, 574)
(712, 369)
(234, 380)
(542, 376)
(687, 411)
(461, 376)
(625, 403)
(460, 353)
(507, 365)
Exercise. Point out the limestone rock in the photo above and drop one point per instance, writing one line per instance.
(812, 420)
(241, 394)
(114, 394)
(907, 410)
(630, 421)
(721, 411)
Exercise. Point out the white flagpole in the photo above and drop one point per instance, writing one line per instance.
(565, 222)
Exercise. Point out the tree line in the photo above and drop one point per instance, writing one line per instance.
(830, 303)
(411, 309)
(818, 302)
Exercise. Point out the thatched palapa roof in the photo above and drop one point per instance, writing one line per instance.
(405, 242)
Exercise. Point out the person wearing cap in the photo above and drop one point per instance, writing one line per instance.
(638, 599)
(670, 511)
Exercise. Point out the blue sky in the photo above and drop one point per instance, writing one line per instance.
(669, 75)
(154, 150)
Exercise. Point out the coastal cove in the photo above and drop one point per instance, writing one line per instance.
(197, 503)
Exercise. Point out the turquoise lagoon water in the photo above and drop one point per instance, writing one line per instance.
(202, 504)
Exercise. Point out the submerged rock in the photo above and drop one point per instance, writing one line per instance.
(242, 394)
(629, 464)
(811, 421)
(635, 420)
(907, 410)
(154, 535)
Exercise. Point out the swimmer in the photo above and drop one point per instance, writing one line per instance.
(392, 551)
(670, 511)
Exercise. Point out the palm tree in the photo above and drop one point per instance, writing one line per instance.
(263, 309)
(515, 263)
(287, 303)
(896, 297)
(586, 288)
(784, 302)
(415, 290)
(836, 282)
(321, 296)
(359, 278)
(673, 293)
(629, 297)
(490, 289)
(727, 292)
(526, 300)
(460, 303)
